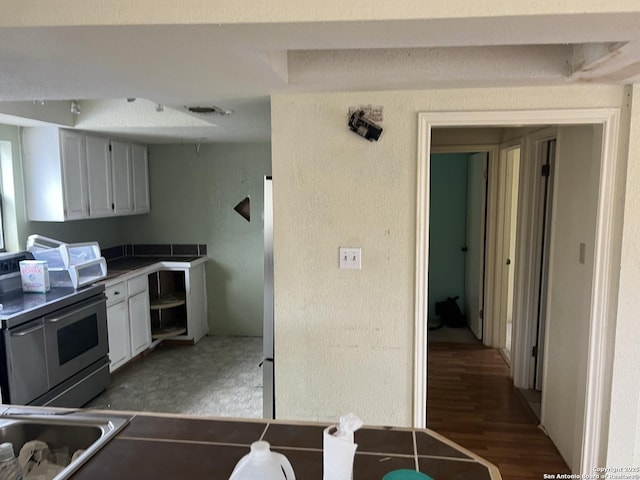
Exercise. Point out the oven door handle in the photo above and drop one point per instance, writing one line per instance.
(76, 310)
(22, 333)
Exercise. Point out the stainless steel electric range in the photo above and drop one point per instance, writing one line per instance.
(54, 346)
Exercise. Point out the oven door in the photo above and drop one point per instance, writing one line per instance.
(76, 337)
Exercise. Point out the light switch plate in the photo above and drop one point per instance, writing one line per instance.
(582, 253)
(351, 258)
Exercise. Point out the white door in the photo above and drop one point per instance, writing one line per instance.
(74, 175)
(546, 200)
(197, 326)
(474, 260)
(140, 178)
(506, 243)
(121, 174)
(99, 176)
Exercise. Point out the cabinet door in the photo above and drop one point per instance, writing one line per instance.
(74, 175)
(197, 303)
(140, 173)
(99, 176)
(119, 338)
(121, 176)
(139, 322)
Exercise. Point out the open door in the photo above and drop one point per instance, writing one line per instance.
(506, 246)
(475, 242)
(548, 153)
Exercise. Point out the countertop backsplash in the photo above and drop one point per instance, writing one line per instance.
(158, 249)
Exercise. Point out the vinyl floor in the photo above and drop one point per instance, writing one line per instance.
(219, 376)
(472, 401)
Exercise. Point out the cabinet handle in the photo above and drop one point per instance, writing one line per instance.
(116, 293)
(113, 206)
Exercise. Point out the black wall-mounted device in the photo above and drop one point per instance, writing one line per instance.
(364, 127)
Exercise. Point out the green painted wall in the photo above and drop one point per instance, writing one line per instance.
(193, 193)
(447, 227)
(107, 232)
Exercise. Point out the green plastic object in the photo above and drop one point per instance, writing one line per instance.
(406, 475)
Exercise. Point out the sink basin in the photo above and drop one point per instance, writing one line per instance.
(75, 431)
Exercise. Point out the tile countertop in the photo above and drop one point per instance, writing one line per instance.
(157, 446)
(121, 268)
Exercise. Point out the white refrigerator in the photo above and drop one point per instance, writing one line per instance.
(268, 397)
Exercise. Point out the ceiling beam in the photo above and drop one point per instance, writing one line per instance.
(608, 63)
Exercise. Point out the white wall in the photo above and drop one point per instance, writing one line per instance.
(144, 12)
(573, 222)
(624, 427)
(344, 338)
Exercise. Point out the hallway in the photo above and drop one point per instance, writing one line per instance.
(472, 401)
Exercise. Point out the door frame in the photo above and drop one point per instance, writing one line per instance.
(603, 305)
(493, 155)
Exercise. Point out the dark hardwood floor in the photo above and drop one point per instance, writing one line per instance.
(472, 401)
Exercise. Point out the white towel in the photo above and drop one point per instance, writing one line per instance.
(32, 452)
(39, 463)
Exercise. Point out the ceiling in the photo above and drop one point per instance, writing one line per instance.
(238, 66)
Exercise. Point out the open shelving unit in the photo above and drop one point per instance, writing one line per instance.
(167, 294)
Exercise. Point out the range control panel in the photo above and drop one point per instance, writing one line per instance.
(10, 262)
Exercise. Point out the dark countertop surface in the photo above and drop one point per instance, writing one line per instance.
(170, 447)
(123, 265)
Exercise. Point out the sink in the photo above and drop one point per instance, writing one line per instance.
(76, 431)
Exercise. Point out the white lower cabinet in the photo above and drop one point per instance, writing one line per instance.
(167, 303)
(128, 320)
(118, 328)
(118, 325)
(139, 322)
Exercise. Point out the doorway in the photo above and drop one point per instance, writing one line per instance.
(590, 453)
(457, 241)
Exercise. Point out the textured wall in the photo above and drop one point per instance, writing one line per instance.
(566, 346)
(192, 198)
(344, 339)
(624, 443)
(73, 12)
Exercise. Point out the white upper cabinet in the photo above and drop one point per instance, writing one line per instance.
(140, 178)
(55, 174)
(99, 176)
(74, 175)
(70, 175)
(121, 174)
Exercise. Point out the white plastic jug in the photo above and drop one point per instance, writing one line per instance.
(263, 464)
